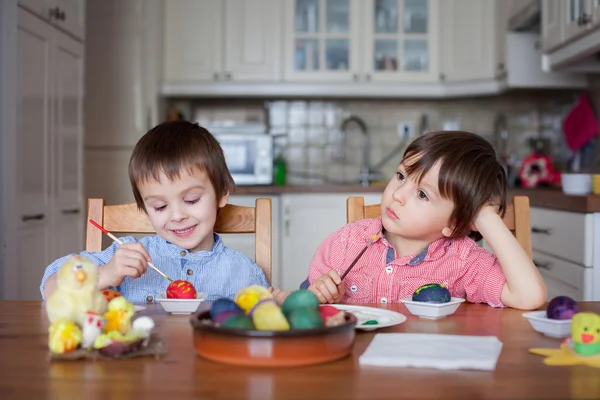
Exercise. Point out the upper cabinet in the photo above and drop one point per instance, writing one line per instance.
(68, 15)
(222, 40)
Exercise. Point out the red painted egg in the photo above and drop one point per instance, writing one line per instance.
(181, 289)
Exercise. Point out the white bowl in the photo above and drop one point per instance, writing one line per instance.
(181, 306)
(432, 310)
(558, 328)
(576, 184)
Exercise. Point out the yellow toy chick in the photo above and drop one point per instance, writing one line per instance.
(77, 291)
(64, 336)
(247, 297)
(118, 317)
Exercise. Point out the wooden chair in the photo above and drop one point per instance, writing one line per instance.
(516, 217)
(126, 218)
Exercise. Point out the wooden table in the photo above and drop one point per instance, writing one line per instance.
(181, 374)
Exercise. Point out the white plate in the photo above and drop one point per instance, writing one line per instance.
(181, 306)
(558, 328)
(432, 310)
(383, 317)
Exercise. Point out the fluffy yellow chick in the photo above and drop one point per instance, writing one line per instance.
(118, 317)
(585, 333)
(77, 291)
(64, 336)
(250, 295)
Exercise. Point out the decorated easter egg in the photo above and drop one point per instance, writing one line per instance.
(181, 289)
(432, 293)
(223, 315)
(562, 307)
(247, 297)
(299, 299)
(221, 305)
(110, 294)
(305, 318)
(238, 321)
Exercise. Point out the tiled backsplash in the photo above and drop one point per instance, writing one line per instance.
(308, 132)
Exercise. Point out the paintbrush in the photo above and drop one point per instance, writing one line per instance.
(358, 257)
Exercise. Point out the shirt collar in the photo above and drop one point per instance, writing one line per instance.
(178, 252)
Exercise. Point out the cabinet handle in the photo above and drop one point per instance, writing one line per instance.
(584, 19)
(54, 13)
(355, 77)
(228, 76)
(32, 217)
(63, 16)
(368, 77)
(541, 265)
(216, 76)
(71, 211)
(442, 77)
(286, 221)
(546, 231)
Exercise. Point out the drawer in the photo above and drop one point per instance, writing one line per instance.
(562, 278)
(564, 234)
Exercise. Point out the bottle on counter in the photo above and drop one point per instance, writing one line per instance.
(279, 170)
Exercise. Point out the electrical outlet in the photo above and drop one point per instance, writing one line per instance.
(405, 129)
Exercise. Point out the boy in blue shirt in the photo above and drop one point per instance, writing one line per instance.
(180, 180)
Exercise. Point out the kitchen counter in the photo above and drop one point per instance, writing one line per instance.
(545, 198)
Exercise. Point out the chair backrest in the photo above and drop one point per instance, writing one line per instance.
(516, 218)
(127, 218)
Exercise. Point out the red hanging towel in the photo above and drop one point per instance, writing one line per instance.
(580, 125)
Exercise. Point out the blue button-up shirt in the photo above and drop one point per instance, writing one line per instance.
(219, 272)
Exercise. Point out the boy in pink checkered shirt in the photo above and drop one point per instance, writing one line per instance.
(449, 191)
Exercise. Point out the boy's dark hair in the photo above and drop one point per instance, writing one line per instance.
(470, 174)
(172, 147)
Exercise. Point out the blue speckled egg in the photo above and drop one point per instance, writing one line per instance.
(432, 293)
(221, 305)
(562, 307)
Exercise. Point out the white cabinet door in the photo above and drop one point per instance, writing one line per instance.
(38, 7)
(553, 23)
(252, 40)
(33, 256)
(469, 44)
(34, 56)
(193, 35)
(67, 136)
(70, 234)
(401, 40)
(72, 17)
(322, 40)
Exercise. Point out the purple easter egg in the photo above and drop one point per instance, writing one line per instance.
(562, 307)
(222, 316)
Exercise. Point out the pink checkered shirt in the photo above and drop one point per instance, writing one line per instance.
(467, 270)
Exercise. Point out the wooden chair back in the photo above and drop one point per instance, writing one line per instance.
(516, 218)
(127, 218)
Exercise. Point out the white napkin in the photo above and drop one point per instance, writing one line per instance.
(432, 351)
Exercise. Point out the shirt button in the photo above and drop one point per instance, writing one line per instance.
(353, 288)
(149, 299)
(383, 300)
(190, 272)
(389, 270)
(182, 252)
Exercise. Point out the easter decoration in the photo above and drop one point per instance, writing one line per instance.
(181, 289)
(583, 347)
(84, 325)
(562, 307)
(432, 293)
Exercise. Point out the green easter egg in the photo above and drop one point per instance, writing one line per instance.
(299, 299)
(305, 318)
(239, 321)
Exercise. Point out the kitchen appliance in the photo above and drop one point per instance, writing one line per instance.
(248, 150)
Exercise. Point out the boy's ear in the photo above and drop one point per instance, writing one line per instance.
(223, 201)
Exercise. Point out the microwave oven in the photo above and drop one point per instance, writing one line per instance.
(249, 157)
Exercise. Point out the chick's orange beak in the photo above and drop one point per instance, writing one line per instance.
(587, 338)
(80, 276)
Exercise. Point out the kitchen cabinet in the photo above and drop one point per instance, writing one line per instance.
(306, 220)
(48, 149)
(67, 15)
(222, 40)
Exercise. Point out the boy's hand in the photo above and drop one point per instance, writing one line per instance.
(328, 288)
(279, 295)
(130, 259)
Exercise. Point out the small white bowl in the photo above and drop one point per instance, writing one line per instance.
(432, 310)
(558, 328)
(576, 184)
(181, 306)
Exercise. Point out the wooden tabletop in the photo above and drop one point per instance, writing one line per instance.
(26, 373)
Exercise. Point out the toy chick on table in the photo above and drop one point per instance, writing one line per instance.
(583, 347)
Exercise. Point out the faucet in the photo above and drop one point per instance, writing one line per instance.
(366, 175)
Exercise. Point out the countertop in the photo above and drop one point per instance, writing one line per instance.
(545, 198)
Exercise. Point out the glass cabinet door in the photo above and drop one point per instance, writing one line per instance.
(323, 40)
(579, 16)
(399, 40)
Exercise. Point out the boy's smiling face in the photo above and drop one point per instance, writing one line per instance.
(416, 211)
(183, 211)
